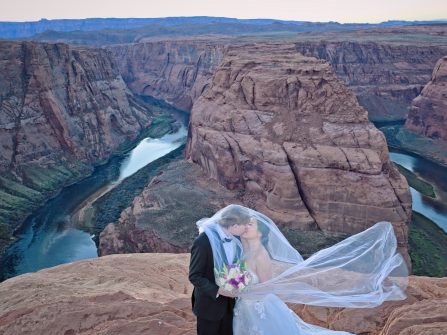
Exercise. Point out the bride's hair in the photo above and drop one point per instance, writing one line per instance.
(234, 214)
(264, 230)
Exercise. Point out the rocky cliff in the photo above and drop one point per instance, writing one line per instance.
(177, 71)
(428, 112)
(162, 218)
(385, 77)
(150, 294)
(281, 129)
(62, 108)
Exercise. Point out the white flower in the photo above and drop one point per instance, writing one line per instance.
(228, 287)
(232, 273)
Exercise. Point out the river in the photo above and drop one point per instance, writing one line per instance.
(433, 208)
(50, 236)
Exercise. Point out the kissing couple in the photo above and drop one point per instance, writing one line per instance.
(244, 271)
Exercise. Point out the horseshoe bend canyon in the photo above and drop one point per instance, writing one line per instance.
(297, 126)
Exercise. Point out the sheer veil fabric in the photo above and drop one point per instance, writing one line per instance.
(362, 271)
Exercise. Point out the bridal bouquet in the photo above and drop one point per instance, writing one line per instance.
(233, 277)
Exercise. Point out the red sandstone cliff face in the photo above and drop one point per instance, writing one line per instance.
(282, 129)
(176, 71)
(62, 109)
(428, 112)
(150, 294)
(162, 218)
(62, 101)
(384, 77)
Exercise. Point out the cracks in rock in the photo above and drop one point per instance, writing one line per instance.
(367, 159)
(294, 168)
(198, 64)
(347, 159)
(387, 169)
(233, 155)
(163, 74)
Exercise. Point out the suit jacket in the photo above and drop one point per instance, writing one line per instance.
(205, 305)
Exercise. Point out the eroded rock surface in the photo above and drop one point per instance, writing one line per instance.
(428, 112)
(62, 110)
(283, 130)
(150, 294)
(385, 77)
(162, 218)
(120, 294)
(62, 101)
(176, 71)
(422, 313)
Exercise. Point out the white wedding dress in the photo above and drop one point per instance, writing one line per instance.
(271, 316)
(361, 271)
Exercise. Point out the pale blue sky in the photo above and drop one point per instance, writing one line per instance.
(301, 10)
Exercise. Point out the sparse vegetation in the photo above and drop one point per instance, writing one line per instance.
(22, 193)
(109, 207)
(417, 183)
(399, 137)
(428, 247)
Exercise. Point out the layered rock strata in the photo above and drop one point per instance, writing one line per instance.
(150, 294)
(59, 100)
(62, 109)
(427, 115)
(385, 77)
(175, 71)
(284, 131)
(162, 218)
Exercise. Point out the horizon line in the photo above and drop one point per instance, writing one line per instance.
(218, 17)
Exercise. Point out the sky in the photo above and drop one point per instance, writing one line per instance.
(343, 11)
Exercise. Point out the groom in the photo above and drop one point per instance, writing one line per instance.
(212, 305)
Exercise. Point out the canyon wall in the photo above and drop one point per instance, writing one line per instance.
(428, 112)
(62, 108)
(281, 129)
(175, 71)
(385, 77)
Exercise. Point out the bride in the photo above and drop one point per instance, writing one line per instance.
(361, 271)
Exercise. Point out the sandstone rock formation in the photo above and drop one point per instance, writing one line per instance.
(176, 71)
(428, 112)
(385, 77)
(422, 313)
(150, 294)
(281, 128)
(122, 294)
(62, 108)
(162, 218)
(58, 100)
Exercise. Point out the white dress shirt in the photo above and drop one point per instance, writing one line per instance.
(229, 247)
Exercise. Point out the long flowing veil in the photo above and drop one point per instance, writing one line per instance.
(363, 270)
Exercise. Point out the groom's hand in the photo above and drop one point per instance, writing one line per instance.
(226, 293)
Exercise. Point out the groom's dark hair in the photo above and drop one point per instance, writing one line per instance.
(234, 214)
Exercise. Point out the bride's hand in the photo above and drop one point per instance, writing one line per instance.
(226, 293)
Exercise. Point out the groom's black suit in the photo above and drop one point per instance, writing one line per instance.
(214, 315)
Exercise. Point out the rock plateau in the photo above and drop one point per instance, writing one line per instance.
(150, 294)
